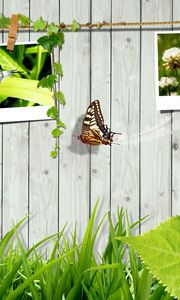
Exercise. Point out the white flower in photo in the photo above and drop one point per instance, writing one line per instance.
(171, 57)
(168, 82)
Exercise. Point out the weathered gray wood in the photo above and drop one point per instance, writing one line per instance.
(100, 89)
(74, 157)
(176, 139)
(15, 151)
(125, 110)
(136, 174)
(43, 189)
(155, 127)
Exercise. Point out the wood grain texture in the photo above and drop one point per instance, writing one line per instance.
(100, 89)
(155, 127)
(125, 109)
(136, 174)
(176, 139)
(15, 151)
(74, 156)
(43, 186)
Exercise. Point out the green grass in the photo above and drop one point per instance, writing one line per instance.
(73, 271)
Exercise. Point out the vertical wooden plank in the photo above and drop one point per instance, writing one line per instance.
(100, 89)
(155, 127)
(125, 109)
(176, 139)
(15, 151)
(74, 157)
(43, 191)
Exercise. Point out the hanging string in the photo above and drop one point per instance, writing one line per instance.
(99, 25)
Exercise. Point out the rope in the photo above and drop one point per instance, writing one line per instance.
(104, 24)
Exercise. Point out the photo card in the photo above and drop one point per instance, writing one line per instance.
(167, 64)
(20, 72)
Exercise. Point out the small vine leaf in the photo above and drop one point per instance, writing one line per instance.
(57, 147)
(51, 41)
(24, 20)
(56, 132)
(4, 21)
(60, 96)
(58, 69)
(52, 112)
(47, 82)
(75, 25)
(39, 24)
(52, 28)
(54, 153)
(60, 124)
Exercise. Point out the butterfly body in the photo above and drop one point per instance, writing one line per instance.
(94, 132)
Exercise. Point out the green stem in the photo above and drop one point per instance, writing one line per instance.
(177, 77)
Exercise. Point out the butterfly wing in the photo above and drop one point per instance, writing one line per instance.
(93, 117)
(93, 129)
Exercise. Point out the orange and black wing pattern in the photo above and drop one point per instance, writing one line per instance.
(94, 132)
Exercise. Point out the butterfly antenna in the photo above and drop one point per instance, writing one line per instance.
(117, 133)
(116, 143)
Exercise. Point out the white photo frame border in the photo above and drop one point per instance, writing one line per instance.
(163, 102)
(19, 114)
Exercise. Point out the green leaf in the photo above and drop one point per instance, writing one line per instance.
(24, 20)
(56, 132)
(58, 69)
(49, 42)
(7, 62)
(75, 25)
(54, 154)
(60, 96)
(47, 82)
(60, 123)
(39, 24)
(52, 28)
(4, 22)
(160, 250)
(25, 89)
(52, 112)
(14, 293)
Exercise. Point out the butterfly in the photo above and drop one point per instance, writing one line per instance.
(94, 132)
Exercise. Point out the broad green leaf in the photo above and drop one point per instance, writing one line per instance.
(160, 250)
(52, 112)
(49, 42)
(39, 24)
(47, 82)
(24, 20)
(52, 28)
(56, 132)
(4, 22)
(75, 25)
(25, 89)
(60, 96)
(58, 69)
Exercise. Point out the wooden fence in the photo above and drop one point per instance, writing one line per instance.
(116, 67)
